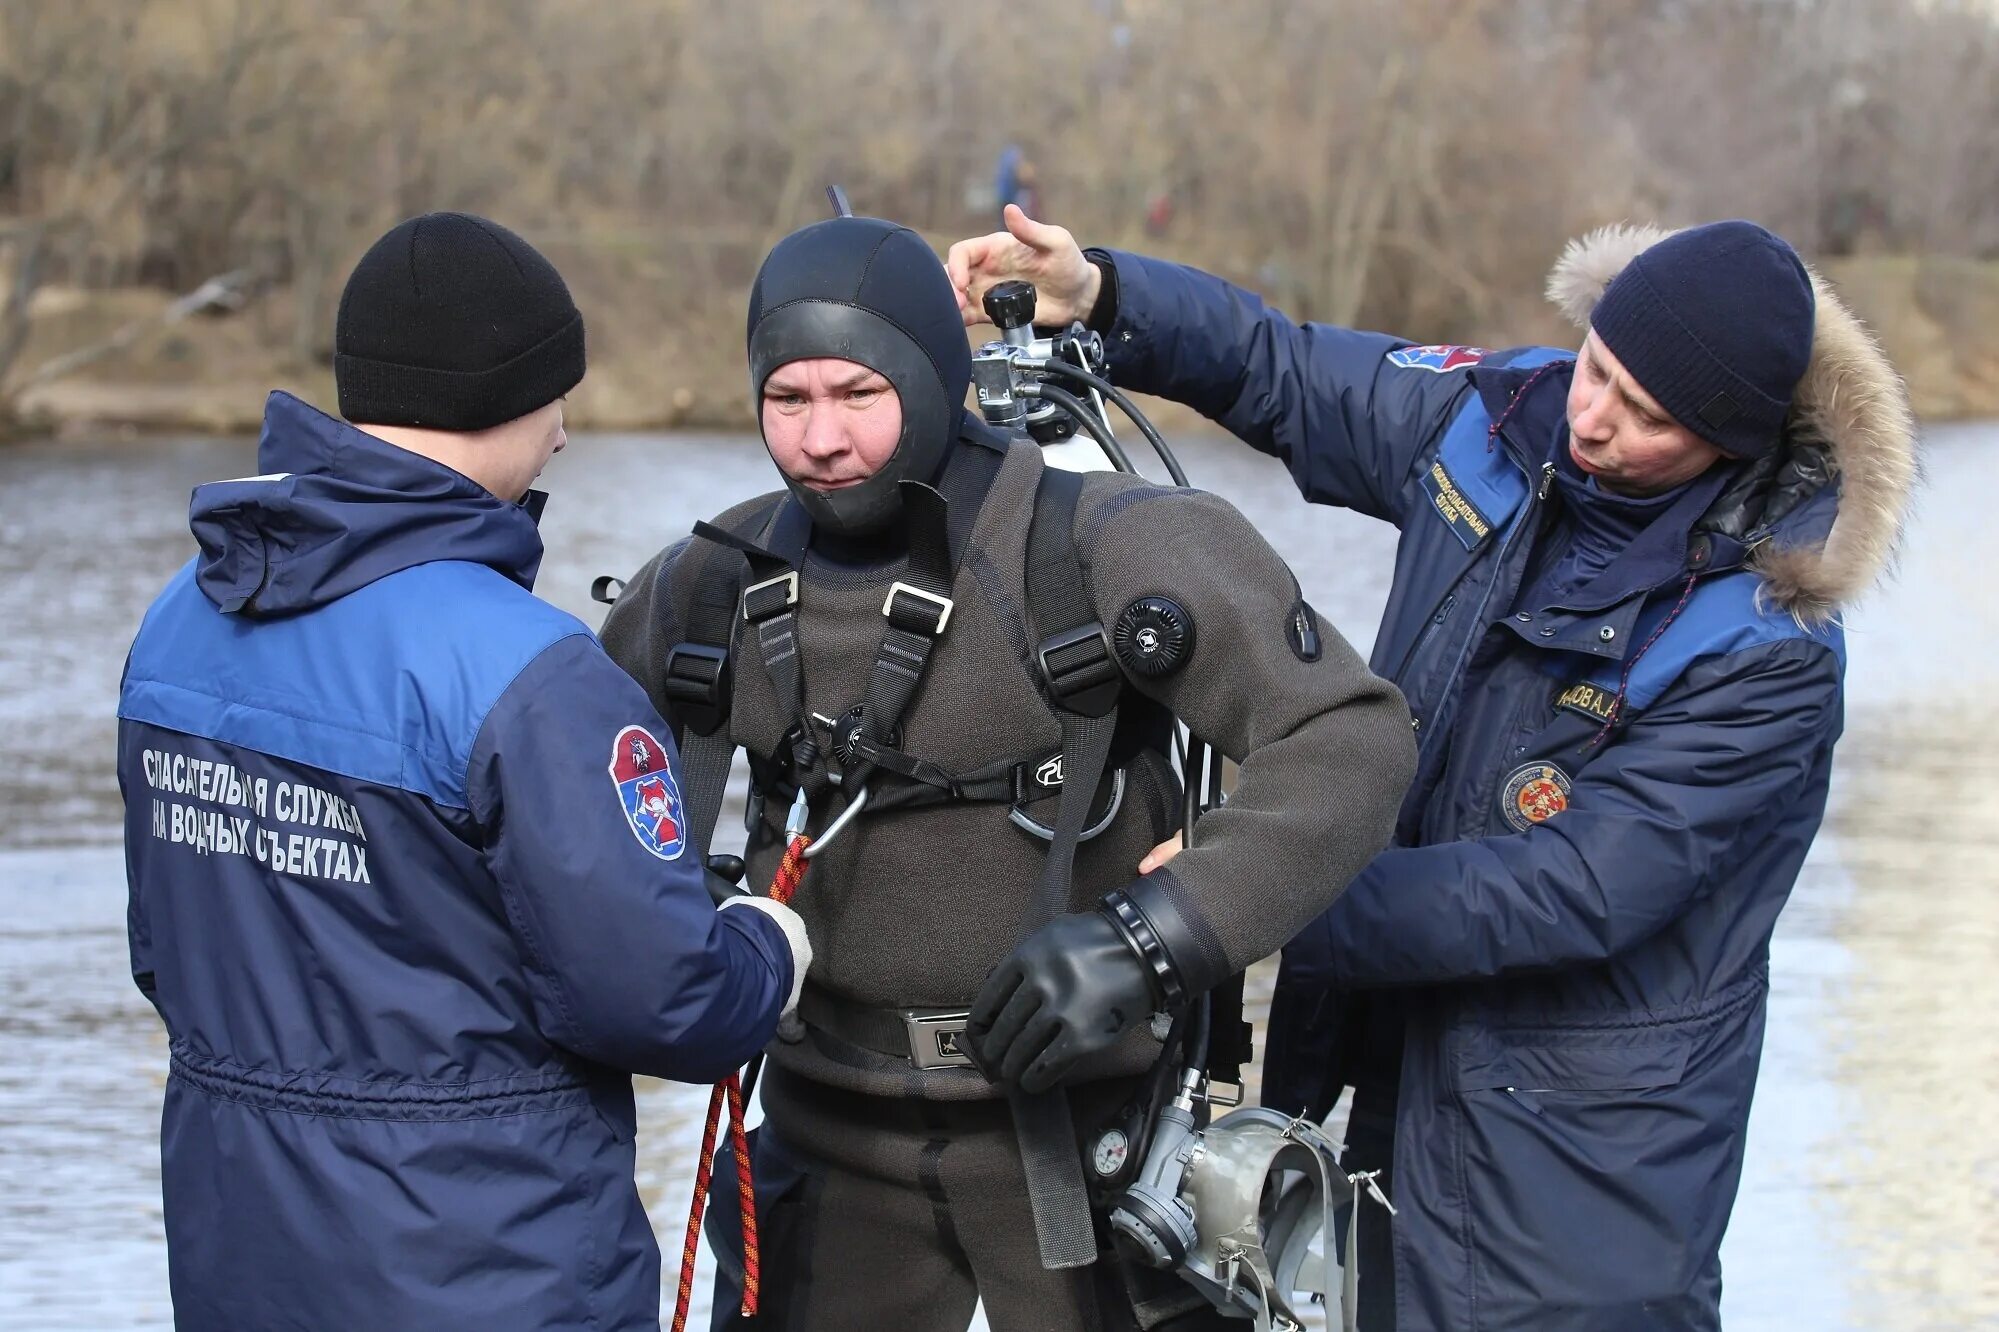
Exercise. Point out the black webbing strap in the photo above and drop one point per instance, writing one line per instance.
(1053, 1168)
(1006, 782)
(937, 525)
(770, 606)
(1077, 668)
(696, 670)
(704, 779)
(1082, 680)
(915, 615)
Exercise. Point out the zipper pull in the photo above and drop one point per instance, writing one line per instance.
(1547, 480)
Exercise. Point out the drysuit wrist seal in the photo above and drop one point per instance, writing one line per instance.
(1169, 988)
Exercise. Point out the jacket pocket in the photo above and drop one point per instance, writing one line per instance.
(1597, 1163)
(1577, 1063)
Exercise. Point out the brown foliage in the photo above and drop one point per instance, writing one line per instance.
(1413, 165)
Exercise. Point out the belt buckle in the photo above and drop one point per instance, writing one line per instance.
(937, 1037)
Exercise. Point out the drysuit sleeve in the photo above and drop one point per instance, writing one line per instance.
(574, 784)
(644, 624)
(1324, 744)
(1351, 423)
(1697, 777)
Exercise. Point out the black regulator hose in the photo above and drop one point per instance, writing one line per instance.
(1085, 418)
(1058, 366)
(1190, 787)
(1160, 1080)
(1197, 1039)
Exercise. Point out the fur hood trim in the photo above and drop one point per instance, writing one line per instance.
(1850, 396)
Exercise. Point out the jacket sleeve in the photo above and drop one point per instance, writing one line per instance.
(1347, 421)
(1647, 823)
(628, 961)
(1324, 745)
(138, 927)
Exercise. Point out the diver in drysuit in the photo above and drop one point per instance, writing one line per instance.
(927, 614)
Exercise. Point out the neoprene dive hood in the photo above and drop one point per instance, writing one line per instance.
(875, 293)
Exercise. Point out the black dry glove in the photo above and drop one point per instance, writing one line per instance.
(724, 877)
(1066, 991)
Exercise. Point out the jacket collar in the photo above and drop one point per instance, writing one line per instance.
(335, 509)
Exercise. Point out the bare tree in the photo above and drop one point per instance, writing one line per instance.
(102, 116)
(1413, 166)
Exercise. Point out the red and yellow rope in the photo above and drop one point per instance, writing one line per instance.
(729, 1093)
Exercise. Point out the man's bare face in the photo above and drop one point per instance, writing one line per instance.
(1619, 434)
(830, 423)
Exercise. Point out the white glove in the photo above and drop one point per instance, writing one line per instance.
(794, 934)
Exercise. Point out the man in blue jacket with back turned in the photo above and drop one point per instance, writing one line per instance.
(410, 879)
(1614, 618)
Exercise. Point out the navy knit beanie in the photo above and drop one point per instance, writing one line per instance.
(1716, 323)
(452, 322)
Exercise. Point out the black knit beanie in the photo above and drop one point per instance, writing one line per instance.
(453, 322)
(1716, 323)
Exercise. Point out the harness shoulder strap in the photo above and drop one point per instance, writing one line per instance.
(696, 670)
(937, 525)
(1077, 668)
(1083, 682)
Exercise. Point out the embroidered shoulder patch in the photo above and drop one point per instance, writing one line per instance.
(650, 795)
(1466, 522)
(1437, 360)
(1588, 699)
(1534, 793)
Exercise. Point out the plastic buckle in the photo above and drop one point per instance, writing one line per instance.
(758, 613)
(944, 606)
(937, 1037)
(1081, 673)
(694, 674)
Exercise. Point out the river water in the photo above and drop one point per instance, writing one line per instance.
(1871, 1194)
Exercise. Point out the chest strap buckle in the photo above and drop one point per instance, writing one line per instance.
(696, 680)
(927, 616)
(773, 596)
(1081, 673)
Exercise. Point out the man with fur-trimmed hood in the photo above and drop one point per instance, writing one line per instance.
(1615, 618)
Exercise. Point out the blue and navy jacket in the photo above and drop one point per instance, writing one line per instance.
(408, 888)
(1553, 984)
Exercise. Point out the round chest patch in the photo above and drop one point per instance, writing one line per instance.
(1534, 793)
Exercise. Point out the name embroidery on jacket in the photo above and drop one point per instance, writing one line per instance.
(1588, 699)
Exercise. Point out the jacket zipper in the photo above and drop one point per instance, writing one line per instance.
(1437, 618)
(1451, 597)
(1499, 564)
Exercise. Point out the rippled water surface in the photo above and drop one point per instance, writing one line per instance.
(1871, 1197)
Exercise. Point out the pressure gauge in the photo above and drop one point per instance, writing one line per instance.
(1108, 1157)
